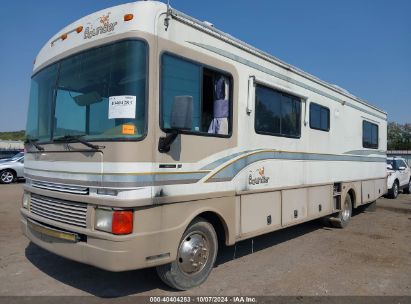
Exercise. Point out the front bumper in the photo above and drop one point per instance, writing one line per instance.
(115, 254)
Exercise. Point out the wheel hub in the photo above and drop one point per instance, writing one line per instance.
(7, 177)
(193, 253)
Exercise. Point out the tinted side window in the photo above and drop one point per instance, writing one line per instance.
(369, 135)
(209, 90)
(319, 117)
(277, 113)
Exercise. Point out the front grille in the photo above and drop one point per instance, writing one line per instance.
(62, 211)
(60, 187)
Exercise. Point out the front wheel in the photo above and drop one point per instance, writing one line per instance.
(393, 193)
(7, 177)
(407, 189)
(196, 256)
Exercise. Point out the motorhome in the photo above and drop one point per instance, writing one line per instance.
(154, 138)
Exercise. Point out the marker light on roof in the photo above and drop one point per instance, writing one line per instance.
(64, 36)
(79, 29)
(128, 17)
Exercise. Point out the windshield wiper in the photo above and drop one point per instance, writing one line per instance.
(34, 144)
(73, 138)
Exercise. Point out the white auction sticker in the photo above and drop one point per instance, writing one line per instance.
(122, 107)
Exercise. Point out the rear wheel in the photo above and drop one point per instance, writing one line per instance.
(407, 189)
(196, 256)
(393, 193)
(344, 216)
(7, 176)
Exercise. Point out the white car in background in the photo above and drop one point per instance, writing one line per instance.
(399, 176)
(12, 169)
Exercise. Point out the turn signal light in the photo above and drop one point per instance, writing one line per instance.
(79, 29)
(128, 17)
(122, 222)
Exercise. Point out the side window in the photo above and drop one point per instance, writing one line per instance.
(369, 135)
(277, 113)
(319, 117)
(208, 89)
(403, 164)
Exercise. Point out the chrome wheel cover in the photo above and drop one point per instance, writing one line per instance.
(193, 253)
(346, 214)
(6, 177)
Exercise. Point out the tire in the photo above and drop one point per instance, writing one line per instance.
(407, 189)
(344, 216)
(393, 192)
(7, 176)
(199, 243)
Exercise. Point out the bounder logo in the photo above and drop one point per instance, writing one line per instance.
(260, 179)
(105, 27)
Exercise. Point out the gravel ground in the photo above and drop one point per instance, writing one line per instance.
(372, 256)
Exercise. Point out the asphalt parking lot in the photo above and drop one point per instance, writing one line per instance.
(372, 256)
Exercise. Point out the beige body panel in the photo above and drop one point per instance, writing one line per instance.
(294, 206)
(158, 229)
(255, 208)
(319, 202)
(197, 147)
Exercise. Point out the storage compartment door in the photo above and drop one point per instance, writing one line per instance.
(294, 205)
(368, 191)
(259, 211)
(320, 201)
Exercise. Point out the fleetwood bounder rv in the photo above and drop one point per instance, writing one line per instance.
(152, 136)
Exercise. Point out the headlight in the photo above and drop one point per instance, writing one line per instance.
(26, 200)
(104, 219)
(114, 221)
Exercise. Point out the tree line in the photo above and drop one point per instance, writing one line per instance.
(399, 136)
(16, 135)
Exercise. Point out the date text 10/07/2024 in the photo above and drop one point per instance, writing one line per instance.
(203, 299)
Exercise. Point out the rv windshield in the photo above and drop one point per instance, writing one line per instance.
(99, 93)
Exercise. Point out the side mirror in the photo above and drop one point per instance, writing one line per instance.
(389, 167)
(181, 119)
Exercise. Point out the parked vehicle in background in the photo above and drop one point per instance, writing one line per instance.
(399, 176)
(6, 154)
(12, 169)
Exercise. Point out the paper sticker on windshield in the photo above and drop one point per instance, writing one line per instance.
(122, 107)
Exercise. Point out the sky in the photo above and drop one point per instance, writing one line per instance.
(363, 46)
